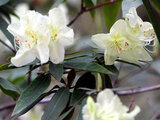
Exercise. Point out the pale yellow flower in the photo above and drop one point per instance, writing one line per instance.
(107, 107)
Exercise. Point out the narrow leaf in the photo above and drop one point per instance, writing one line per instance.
(31, 93)
(3, 27)
(64, 115)
(87, 80)
(111, 12)
(3, 2)
(87, 66)
(56, 70)
(56, 105)
(9, 89)
(79, 116)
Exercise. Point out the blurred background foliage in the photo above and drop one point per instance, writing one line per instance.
(89, 23)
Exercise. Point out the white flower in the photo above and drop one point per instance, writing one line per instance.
(127, 40)
(119, 44)
(107, 107)
(31, 37)
(61, 35)
(142, 30)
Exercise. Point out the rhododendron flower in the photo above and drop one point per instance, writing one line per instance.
(61, 35)
(31, 38)
(127, 40)
(143, 30)
(107, 107)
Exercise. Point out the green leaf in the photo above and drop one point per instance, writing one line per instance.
(9, 89)
(56, 105)
(6, 67)
(3, 2)
(154, 16)
(87, 80)
(3, 27)
(79, 116)
(64, 115)
(30, 94)
(127, 4)
(56, 70)
(57, 3)
(111, 12)
(137, 65)
(156, 5)
(88, 4)
(87, 66)
(94, 2)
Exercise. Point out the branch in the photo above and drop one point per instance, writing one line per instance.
(29, 75)
(8, 46)
(84, 9)
(145, 89)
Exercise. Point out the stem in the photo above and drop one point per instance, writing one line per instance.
(145, 89)
(84, 9)
(29, 75)
(8, 46)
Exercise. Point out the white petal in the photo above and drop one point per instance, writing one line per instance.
(15, 29)
(43, 53)
(131, 115)
(110, 56)
(105, 97)
(66, 36)
(100, 40)
(23, 57)
(57, 17)
(57, 52)
(119, 26)
(142, 54)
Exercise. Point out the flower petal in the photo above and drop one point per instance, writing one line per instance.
(100, 40)
(105, 97)
(43, 53)
(110, 56)
(57, 52)
(66, 36)
(23, 57)
(57, 17)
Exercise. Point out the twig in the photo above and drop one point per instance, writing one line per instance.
(29, 75)
(8, 46)
(84, 9)
(145, 89)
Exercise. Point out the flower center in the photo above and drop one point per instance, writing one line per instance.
(119, 43)
(54, 33)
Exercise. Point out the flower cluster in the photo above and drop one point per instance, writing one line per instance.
(107, 107)
(127, 39)
(42, 37)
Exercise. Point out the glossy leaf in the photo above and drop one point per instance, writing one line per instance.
(87, 66)
(31, 93)
(87, 80)
(6, 66)
(64, 115)
(56, 70)
(9, 89)
(3, 2)
(134, 64)
(111, 12)
(79, 116)
(56, 105)
(88, 4)
(94, 2)
(3, 28)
